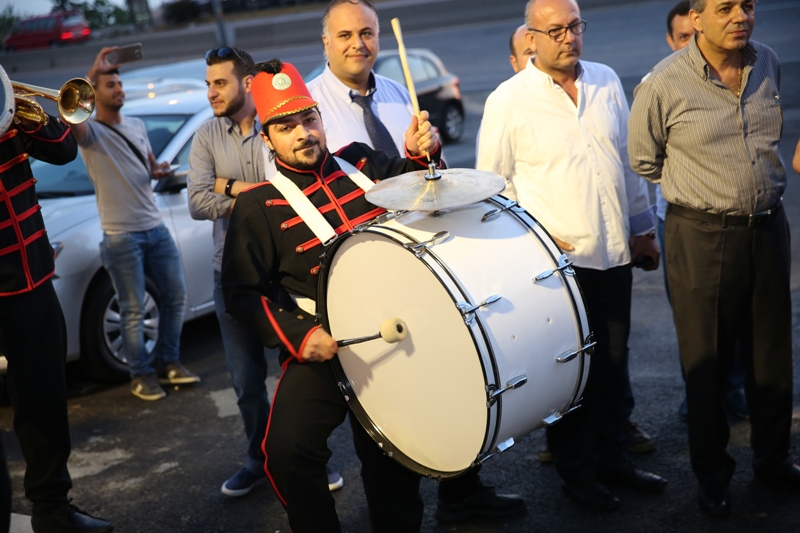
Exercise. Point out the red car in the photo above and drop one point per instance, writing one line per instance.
(48, 30)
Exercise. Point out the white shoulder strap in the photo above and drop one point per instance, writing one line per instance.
(301, 204)
(354, 174)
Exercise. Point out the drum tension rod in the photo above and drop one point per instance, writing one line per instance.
(513, 383)
(500, 448)
(570, 356)
(468, 310)
(494, 213)
(419, 249)
(564, 265)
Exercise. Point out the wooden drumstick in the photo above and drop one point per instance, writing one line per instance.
(392, 330)
(398, 34)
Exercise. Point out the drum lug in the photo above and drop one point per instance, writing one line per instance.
(468, 310)
(513, 383)
(555, 417)
(380, 219)
(494, 213)
(419, 249)
(564, 265)
(588, 348)
(500, 448)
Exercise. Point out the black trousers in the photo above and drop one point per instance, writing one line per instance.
(33, 339)
(307, 407)
(593, 436)
(729, 282)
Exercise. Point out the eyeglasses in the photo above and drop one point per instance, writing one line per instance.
(558, 34)
(223, 53)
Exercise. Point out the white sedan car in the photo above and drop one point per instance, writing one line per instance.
(73, 226)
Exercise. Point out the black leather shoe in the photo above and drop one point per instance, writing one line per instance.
(786, 476)
(715, 499)
(69, 519)
(484, 503)
(592, 495)
(629, 476)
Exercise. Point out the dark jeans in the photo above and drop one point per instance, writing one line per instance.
(730, 283)
(34, 340)
(248, 368)
(307, 407)
(593, 436)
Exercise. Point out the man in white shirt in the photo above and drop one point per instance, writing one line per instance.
(571, 172)
(350, 36)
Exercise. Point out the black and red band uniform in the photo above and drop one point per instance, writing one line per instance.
(270, 252)
(32, 329)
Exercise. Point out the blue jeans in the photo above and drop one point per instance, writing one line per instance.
(130, 258)
(248, 367)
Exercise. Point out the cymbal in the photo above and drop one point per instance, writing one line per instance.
(456, 187)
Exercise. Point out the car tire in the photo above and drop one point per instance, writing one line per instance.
(452, 123)
(102, 357)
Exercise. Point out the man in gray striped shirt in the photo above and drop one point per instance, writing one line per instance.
(706, 125)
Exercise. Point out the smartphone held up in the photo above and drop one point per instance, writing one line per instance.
(125, 54)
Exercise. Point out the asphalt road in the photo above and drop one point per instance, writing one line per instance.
(157, 467)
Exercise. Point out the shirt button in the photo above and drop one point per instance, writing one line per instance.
(299, 249)
(270, 202)
(284, 226)
(315, 271)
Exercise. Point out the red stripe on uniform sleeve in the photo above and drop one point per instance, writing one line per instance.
(305, 340)
(278, 330)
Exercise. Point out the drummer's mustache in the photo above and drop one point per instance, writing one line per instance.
(306, 144)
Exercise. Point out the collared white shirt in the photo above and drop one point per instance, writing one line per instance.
(568, 163)
(344, 120)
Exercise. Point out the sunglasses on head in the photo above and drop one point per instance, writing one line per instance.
(223, 53)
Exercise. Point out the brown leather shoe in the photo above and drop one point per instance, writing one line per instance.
(638, 440)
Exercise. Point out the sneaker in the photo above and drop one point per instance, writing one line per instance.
(638, 440)
(482, 504)
(177, 374)
(68, 518)
(241, 483)
(545, 456)
(335, 479)
(147, 388)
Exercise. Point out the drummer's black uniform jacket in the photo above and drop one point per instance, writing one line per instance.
(26, 257)
(270, 252)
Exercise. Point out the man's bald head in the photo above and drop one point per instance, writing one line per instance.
(521, 51)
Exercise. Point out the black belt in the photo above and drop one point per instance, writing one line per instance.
(754, 220)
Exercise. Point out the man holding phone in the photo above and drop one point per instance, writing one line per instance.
(136, 245)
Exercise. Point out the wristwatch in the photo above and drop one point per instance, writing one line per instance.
(229, 188)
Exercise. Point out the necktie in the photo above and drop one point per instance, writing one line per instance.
(378, 134)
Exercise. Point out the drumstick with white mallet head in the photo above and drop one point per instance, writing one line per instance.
(392, 330)
(412, 92)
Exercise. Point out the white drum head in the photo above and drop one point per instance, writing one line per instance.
(425, 394)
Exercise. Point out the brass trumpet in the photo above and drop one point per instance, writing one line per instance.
(75, 101)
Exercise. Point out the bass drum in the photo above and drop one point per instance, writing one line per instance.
(498, 338)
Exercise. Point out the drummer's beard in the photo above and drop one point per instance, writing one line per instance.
(307, 155)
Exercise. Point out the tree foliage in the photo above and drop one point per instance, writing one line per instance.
(7, 19)
(99, 13)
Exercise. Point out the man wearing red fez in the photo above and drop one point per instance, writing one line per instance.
(270, 269)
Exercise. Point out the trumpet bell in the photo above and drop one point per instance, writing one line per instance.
(76, 101)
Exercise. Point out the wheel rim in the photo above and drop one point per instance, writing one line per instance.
(453, 122)
(112, 327)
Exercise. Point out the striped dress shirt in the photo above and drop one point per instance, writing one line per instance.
(710, 149)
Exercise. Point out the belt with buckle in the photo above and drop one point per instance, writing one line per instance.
(752, 220)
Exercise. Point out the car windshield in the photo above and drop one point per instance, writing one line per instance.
(72, 180)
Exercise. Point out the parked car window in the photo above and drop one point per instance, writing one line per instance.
(420, 68)
(73, 19)
(183, 156)
(72, 180)
(392, 69)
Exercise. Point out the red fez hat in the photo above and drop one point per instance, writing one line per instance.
(279, 95)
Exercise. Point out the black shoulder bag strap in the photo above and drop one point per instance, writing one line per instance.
(130, 144)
